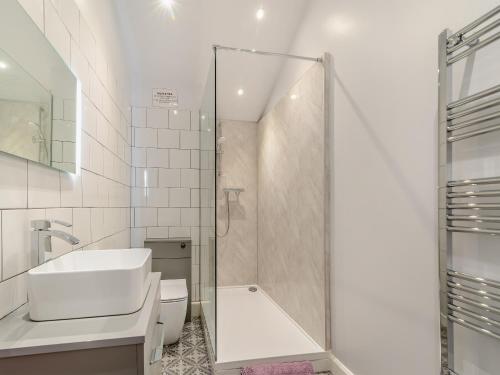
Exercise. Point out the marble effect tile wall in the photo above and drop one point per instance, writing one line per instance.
(291, 198)
(237, 251)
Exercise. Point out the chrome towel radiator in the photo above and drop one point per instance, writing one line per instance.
(469, 205)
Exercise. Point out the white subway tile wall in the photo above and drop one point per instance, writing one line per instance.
(165, 179)
(97, 199)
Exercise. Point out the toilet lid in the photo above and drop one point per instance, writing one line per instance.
(173, 290)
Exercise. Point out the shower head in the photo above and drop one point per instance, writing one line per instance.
(221, 140)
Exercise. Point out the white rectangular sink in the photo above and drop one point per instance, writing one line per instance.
(92, 283)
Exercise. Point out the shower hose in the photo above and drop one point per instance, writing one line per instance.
(228, 225)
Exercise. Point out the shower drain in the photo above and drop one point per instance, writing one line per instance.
(252, 289)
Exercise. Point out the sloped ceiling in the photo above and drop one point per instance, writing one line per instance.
(175, 52)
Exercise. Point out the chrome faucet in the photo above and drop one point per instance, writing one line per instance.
(41, 238)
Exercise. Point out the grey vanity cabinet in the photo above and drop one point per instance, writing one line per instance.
(117, 345)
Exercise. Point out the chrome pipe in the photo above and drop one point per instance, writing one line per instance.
(464, 276)
(473, 230)
(474, 181)
(266, 53)
(479, 293)
(474, 97)
(470, 134)
(474, 121)
(471, 302)
(477, 219)
(472, 194)
(474, 48)
(473, 327)
(471, 26)
(473, 315)
(473, 37)
(473, 206)
(469, 111)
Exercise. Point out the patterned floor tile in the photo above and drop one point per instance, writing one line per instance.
(188, 356)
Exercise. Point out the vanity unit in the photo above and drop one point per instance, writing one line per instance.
(121, 344)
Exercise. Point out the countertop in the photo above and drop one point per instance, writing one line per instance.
(21, 336)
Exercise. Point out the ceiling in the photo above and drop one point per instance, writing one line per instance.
(175, 52)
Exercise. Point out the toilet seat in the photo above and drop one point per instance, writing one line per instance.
(173, 290)
(173, 308)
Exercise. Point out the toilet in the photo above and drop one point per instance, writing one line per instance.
(173, 307)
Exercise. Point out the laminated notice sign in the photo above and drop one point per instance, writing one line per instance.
(164, 98)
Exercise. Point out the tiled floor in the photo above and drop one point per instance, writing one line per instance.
(189, 356)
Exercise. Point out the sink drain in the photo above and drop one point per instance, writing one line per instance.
(252, 289)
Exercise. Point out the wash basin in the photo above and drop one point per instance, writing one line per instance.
(90, 283)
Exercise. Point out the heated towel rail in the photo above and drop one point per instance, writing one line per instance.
(471, 205)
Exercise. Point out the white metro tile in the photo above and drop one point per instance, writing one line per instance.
(146, 177)
(169, 177)
(169, 217)
(179, 197)
(97, 226)
(145, 217)
(81, 226)
(157, 232)
(139, 117)
(13, 184)
(137, 237)
(71, 17)
(80, 66)
(195, 159)
(168, 138)
(157, 157)
(145, 137)
(195, 197)
(138, 157)
(158, 197)
(179, 232)
(13, 293)
(190, 140)
(179, 119)
(87, 42)
(190, 178)
(190, 216)
(56, 32)
(157, 118)
(43, 186)
(138, 197)
(71, 190)
(17, 256)
(180, 158)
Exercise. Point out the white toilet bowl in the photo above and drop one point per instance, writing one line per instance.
(173, 305)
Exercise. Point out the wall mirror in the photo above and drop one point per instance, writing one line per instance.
(38, 94)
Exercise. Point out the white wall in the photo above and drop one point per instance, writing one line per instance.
(97, 199)
(384, 104)
(165, 179)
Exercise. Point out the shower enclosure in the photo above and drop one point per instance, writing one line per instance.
(264, 204)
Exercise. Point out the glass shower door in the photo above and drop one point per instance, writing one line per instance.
(208, 277)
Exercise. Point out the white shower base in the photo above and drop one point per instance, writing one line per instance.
(252, 328)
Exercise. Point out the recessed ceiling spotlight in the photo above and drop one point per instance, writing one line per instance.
(169, 5)
(240, 92)
(3, 65)
(260, 14)
(175, 112)
(203, 117)
(294, 96)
